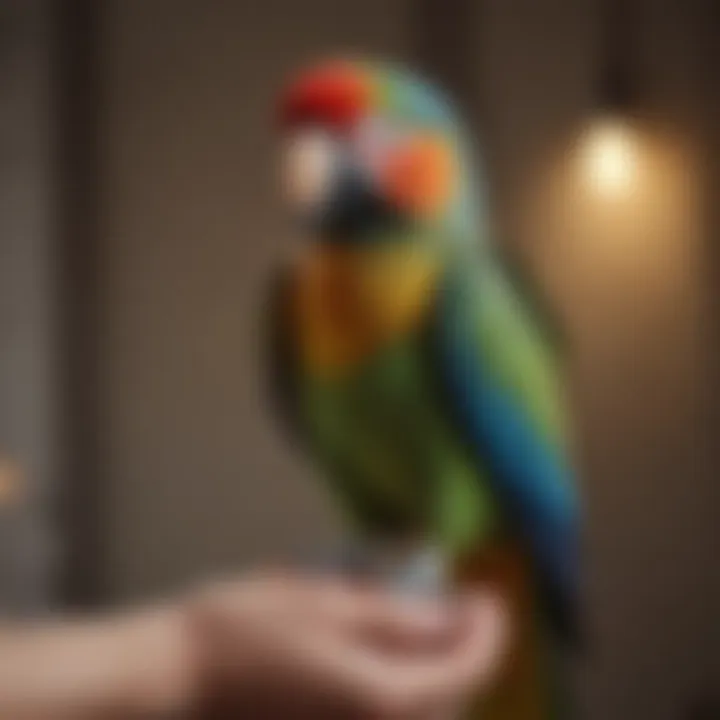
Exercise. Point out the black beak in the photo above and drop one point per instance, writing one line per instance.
(355, 209)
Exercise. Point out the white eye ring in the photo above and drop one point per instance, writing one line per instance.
(311, 162)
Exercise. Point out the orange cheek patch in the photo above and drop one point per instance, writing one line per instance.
(421, 175)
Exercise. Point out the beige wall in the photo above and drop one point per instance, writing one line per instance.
(30, 349)
(197, 475)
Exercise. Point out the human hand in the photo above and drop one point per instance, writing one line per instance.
(285, 646)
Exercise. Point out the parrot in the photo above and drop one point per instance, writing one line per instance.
(417, 365)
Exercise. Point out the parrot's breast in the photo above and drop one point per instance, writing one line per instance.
(350, 303)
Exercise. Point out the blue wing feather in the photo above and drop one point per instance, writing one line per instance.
(530, 475)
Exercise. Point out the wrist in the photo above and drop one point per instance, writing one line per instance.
(167, 668)
(159, 670)
(201, 657)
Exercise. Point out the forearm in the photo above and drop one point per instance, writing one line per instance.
(133, 666)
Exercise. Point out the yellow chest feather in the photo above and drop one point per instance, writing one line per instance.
(350, 303)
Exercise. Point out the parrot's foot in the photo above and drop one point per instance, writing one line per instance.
(406, 568)
(424, 572)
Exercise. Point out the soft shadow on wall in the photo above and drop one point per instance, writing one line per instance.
(612, 210)
(621, 208)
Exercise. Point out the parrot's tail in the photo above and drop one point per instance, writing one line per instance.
(530, 683)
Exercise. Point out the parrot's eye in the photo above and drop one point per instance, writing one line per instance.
(310, 163)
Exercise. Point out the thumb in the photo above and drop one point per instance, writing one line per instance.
(470, 663)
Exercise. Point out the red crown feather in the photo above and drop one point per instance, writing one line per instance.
(335, 95)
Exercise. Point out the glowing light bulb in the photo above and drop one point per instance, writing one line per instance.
(610, 157)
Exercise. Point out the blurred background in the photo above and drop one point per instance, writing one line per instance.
(139, 222)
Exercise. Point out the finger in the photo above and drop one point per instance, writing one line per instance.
(394, 687)
(471, 664)
(390, 622)
(380, 616)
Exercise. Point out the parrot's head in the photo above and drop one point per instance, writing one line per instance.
(369, 152)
